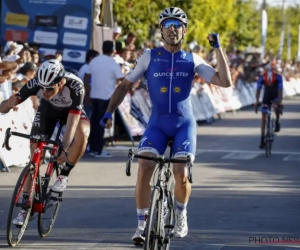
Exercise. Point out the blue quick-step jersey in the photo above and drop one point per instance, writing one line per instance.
(169, 78)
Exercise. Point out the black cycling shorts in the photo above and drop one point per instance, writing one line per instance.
(46, 118)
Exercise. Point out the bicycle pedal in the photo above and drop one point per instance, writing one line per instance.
(138, 242)
(169, 226)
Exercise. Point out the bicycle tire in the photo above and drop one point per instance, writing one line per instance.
(153, 225)
(267, 147)
(170, 223)
(42, 229)
(17, 193)
(267, 140)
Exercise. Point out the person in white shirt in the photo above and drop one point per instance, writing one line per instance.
(103, 73)
(90, 55)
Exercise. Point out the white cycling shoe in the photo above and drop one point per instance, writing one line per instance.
(19, 220)
(138, 238)
(181, 227)
(61, 184)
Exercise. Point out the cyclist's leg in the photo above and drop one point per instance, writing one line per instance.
(75, 153)
(277, 113)
(153, 143)
(264, 110)
(184, 144)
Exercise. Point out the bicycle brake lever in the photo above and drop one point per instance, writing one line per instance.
(128, 165)
(190, 165)
(6, 139)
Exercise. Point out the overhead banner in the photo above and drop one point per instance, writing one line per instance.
(63, 25)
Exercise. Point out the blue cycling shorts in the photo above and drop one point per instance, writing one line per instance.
(161, 129)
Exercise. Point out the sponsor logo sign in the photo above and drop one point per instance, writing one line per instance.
(16, 19)
(46, 21)
(75, 39)
(71, 55)
(73, 22)
(45, 37)
(163, 89)
(177, 90)
(16, 35)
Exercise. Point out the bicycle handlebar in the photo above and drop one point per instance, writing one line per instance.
(35, 138)
(159, 160)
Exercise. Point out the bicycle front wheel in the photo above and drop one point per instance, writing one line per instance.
(51, 205)
(15, 231)
(268, 146)
(170, 219)
(153, 227)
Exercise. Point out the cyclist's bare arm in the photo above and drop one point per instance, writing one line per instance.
(119, 95)
(258, 88)
(223, 77)
(71, 126)
(29, 89)
(257, 95)
(8, 104)
(280, 96)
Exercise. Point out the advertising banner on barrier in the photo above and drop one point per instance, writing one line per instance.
(64, 25)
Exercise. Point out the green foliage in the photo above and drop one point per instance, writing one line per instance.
(237, 21)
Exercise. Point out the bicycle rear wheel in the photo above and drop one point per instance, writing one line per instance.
(14, 233)
(153, 227)
(51, 205)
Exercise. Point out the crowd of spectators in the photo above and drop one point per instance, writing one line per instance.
(19, 62)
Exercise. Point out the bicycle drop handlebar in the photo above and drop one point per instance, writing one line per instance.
(34, 138)
(159, 160)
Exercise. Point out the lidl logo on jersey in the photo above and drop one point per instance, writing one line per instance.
(163, 89)
(177, 89)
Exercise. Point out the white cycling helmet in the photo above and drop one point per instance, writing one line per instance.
(50, 72)
(174, 13)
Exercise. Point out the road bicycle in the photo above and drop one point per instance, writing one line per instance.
(41, 199)
(269, 128)
(161, 219)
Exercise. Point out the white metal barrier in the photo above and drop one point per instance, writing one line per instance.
(135, 112)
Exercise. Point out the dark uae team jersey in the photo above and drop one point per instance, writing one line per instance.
(71, 97)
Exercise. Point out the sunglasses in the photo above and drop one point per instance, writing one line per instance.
(48, 89)
(176, 23)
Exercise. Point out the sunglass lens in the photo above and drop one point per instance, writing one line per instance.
(176, 23)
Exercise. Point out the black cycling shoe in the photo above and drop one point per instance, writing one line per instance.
(262, 145)
(277, 126)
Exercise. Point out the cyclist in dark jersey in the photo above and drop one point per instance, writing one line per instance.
(273, 85)
(169, 73)
(61, 95)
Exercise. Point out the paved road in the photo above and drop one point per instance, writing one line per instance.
(238, 197)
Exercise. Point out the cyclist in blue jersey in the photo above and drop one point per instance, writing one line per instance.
(169, 73)
(273, 85)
